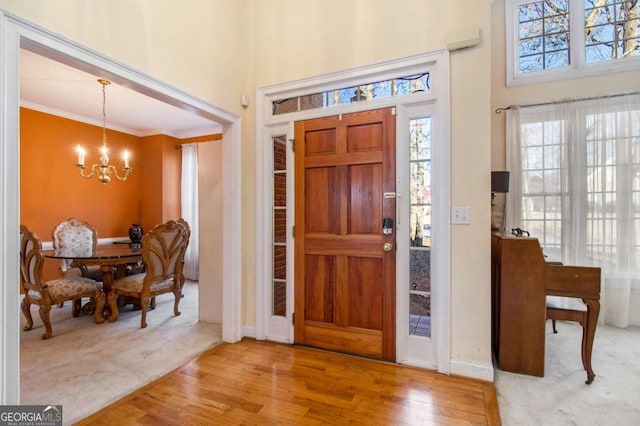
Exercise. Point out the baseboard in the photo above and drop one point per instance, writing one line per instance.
(248, 331)
(474, 371)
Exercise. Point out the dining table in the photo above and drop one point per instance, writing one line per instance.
(109, 257)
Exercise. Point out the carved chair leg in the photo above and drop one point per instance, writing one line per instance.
(26, 311)
(44, 316)
(177, 296)
(144, 305)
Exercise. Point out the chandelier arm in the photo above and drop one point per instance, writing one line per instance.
(81, 168)
(126, 171)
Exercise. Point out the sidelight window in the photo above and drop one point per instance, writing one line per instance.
(279, 207)
(420, 227)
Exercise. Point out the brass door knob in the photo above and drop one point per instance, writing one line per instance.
(387, 247)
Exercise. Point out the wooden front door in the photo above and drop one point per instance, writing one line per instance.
(344, 278)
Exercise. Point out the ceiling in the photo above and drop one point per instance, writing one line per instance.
(55, 88)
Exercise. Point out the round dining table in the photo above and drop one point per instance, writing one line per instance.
(107, 256)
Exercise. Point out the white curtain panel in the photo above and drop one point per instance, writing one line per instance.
(575, 185)
(189, 206)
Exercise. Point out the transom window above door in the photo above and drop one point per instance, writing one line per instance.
(359, 93)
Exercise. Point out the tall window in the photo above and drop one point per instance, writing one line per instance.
(548, 39)
(577, 189)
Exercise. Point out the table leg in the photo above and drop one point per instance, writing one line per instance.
(107, 280)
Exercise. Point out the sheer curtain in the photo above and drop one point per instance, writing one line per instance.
(575, 170)
(189, 207)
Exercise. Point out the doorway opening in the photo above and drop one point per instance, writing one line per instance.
(22, 34)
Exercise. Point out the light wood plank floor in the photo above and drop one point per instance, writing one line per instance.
(256, 382)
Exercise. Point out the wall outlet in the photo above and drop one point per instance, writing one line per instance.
(461, 215)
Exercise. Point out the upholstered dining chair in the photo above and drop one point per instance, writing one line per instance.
(185, 224)
(162, 252)
(76, 234)
(43, 293)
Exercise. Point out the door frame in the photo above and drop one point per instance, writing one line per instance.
(17, 33)
(437, 63)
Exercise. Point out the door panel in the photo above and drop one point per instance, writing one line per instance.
(320, 283)
(364, 277)
(365, 195)
(344, 280)
(321, 205)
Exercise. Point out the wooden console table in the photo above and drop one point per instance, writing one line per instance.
(521, 279)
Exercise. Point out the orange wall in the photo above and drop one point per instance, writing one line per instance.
(51, 188)
(171, 179)
(161, 199)
(150, 201)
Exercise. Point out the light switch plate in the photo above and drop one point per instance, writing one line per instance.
(461, 215)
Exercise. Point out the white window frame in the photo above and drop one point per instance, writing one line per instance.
(577, 66)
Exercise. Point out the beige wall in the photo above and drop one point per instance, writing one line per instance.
(194, 45)
(220, 49)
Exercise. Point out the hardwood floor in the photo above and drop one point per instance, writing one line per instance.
(256, 382)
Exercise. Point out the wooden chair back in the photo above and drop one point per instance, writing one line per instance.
(31, 261)
(163, 253)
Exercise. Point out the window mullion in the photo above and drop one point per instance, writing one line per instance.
(576, 34)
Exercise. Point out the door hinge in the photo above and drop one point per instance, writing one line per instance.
(293, 318)
(293, 144)
(393, 111)
(293, 231)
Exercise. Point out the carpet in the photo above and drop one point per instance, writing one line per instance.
(561, 397)
(86, 366)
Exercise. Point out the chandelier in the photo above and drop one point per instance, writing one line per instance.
(103, 170)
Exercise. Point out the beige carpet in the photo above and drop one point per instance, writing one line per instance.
(86, 366)
(561, 397)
